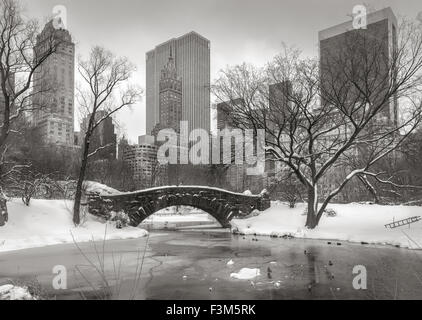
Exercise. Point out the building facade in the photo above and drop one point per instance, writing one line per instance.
(103, 135)
(280, 95)
(142, 162)
(54, 115)
(191, 57)
(236, 175)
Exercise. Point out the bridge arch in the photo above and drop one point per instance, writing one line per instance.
(221, 204)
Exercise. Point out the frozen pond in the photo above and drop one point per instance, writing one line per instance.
(198, 264)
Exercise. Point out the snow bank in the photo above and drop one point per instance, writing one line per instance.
(354, 222)
(246, 274)
(49, 222)
(11, 292)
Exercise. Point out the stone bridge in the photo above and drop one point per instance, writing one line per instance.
(221, 204)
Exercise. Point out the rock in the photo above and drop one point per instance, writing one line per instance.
(287, 236)
(330, 213)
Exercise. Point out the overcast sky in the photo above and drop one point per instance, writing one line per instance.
(239, 30)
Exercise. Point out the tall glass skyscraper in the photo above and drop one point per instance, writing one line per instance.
(191, 54)
(342, 44)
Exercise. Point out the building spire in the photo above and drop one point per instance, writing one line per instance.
(169, 70)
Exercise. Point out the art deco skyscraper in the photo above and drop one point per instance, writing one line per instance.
(170, 96)
(191, 54)
(55, 108)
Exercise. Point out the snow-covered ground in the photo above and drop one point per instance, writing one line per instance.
(49, 222)
(354, 222)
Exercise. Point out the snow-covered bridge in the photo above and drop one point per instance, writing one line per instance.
(223, 205)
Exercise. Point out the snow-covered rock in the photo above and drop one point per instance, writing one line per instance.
(264, 192)
(95, 187)
(11, 292)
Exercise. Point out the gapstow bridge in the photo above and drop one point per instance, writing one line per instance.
(223, 205)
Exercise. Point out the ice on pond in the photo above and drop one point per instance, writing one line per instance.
(246, 274)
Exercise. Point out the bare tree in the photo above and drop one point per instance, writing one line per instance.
(331, 109)
(157, 176)
(28, 183)
(286, 185)
(18, 66)
(105, 92)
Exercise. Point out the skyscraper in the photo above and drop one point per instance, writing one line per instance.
(54, 115)
(356, 64)
(364, 50)
(191, 54)
(170, 97)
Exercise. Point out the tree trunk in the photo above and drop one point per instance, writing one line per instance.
(370, 188)
(3, 211)
(78, 193)
(311, 219)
